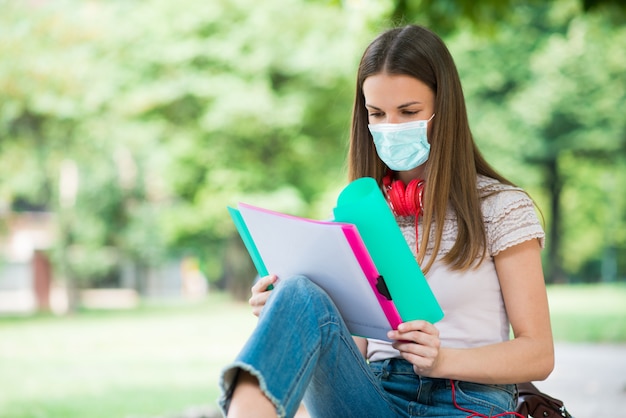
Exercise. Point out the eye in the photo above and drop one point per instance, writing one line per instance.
(376, 114)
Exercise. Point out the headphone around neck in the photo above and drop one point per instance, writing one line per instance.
(405, 200)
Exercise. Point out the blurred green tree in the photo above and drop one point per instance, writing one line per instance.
(50, 104)
(251, 102)
(549, 88)
(167, 112)
(447, 16)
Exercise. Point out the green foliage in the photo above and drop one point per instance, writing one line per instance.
(545, 108)
(172, 111)
(447, 16)
(246, 103)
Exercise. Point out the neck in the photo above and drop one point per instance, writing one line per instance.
(414, 174)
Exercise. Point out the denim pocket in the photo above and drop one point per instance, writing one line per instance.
(485, 399)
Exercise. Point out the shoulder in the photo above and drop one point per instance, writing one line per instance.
(509, 215)
(496, 196)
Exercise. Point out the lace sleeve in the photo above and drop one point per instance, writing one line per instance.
(510, 219)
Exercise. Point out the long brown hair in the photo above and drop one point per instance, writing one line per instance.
(454, 160)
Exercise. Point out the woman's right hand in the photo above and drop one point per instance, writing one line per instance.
(260, 293)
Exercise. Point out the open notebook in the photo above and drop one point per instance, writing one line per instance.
(360, 258)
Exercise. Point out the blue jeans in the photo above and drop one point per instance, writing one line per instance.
(302, 350)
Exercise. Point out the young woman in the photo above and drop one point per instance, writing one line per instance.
(476, 236)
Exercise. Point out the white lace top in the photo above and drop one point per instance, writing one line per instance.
(474, 313)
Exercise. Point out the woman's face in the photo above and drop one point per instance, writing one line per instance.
(391, 98)
(399, 99)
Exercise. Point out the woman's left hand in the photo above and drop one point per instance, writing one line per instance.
(418, 343)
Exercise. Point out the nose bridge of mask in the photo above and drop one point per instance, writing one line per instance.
(398, 127)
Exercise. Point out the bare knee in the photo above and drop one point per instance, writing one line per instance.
(248, 400)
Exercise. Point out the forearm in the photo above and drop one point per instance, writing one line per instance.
(530, 355)
(520, 360)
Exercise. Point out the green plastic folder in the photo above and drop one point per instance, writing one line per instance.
(248, 242)
(363, 204)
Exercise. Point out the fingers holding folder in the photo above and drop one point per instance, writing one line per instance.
(261, 292)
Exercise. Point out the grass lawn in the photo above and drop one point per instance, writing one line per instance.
(588, 313)
(159, 361)
(145, 363)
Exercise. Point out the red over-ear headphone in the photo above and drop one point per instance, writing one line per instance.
(404, 200)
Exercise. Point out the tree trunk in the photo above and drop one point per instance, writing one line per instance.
(554, 270)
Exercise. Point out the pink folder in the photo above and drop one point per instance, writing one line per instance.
(331, 254)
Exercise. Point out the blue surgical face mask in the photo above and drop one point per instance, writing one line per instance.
(402, 146)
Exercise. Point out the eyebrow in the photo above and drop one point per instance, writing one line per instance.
(402, 106)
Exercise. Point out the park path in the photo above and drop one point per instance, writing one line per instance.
(590, 379)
